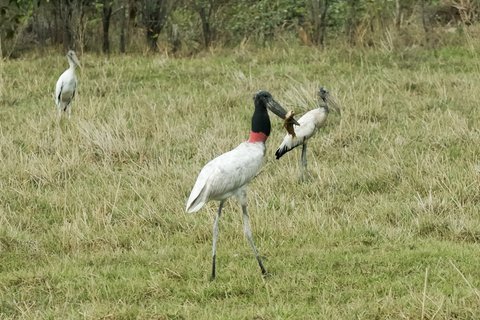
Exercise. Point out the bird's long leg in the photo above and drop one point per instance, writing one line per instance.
(242, 198)
(303, 161)
(248, 233)
(215, 237)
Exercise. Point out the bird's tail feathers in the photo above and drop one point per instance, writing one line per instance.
(281, 151)
(195, 204)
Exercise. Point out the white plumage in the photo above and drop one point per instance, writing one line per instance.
(67, 85)
(228, 174)
(310, 122)
(225, 175)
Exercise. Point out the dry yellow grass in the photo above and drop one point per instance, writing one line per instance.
(92, 221)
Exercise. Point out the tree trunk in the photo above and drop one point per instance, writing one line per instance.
(316, 20)
(319, 9)
(79, 25)
(38, 27)
(57, 23)
(123, 26)
(425, 22)
(205, 18)
(66, 16)
(107, 13)
(352, 22)
(132, 13)
(155, 15)
(323, 23)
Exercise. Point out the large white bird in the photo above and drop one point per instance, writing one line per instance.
(67, 85)
(228, 174)
(309, 124)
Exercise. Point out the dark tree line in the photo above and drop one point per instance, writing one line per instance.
(195, 24)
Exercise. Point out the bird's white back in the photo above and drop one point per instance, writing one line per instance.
(309, 123)
(223, 176)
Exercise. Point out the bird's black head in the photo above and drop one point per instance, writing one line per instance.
(324, 96)
(262, 95)
(260, 120)
(263, 99)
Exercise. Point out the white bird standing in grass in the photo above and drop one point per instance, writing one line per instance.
(309, 124)
(66, 86)
(228, 174)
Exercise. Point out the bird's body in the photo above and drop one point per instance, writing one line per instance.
(223, 176)
(65, 89)
(310, 122)
(66, 86)
(228, 174)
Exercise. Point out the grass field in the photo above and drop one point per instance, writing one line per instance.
(387, 226)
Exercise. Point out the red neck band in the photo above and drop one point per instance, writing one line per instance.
(257, 137)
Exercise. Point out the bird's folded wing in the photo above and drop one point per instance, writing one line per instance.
(221, 177)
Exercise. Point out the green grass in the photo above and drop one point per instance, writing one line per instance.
(92, 221)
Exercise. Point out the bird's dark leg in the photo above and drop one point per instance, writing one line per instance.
(242, 197)
(215, 237)
(303, 161)
(248, 233)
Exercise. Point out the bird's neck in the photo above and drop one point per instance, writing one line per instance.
(72, 64)
(257, 137)
(323, 107)
(260, 125)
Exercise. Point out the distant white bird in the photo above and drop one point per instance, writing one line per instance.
(309, 124)
(66, 86)
(228, 174)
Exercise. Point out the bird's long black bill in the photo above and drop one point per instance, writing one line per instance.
(276, 108)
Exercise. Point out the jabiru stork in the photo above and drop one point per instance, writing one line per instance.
(67, 85)
(228, 174)
(310, 122)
